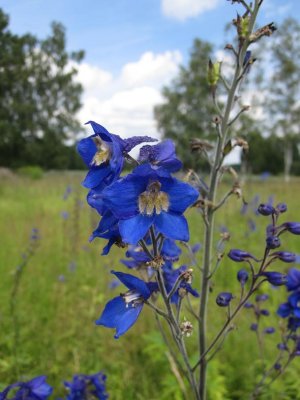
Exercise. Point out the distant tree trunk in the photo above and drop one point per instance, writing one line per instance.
(288, 159)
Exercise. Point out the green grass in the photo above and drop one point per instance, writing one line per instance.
(57, 334)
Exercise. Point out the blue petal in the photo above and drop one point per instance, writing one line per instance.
(127, 319)
(284, 310)
(40, 387)
(133, 283)
(112, 311)
(86, 148)
(107, 248)
(173, 226)
(101, 131)
(122, 196)
(95, 176)
(134, 229)
(181, 195)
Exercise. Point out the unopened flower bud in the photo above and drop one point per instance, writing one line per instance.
(285, 256)
(281, 208)
(293, 227)
(223, 299)
(266, 209)
(239, 255)
(275, 278)
(269, 330)
(213, 73)
(261, 297)
(273, 242)
(242, 276)
(265, 312)
(277, 366)
(254, 327)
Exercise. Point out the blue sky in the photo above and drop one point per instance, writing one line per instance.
(133, 47)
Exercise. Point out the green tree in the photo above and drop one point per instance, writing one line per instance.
(284, 87)
(187, 110)
(38, 97)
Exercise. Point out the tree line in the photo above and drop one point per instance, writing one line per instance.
(39, 99)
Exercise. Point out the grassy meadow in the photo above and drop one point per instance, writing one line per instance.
(66, 282)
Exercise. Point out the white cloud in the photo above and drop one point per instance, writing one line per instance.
(124, 103)
(184, 9)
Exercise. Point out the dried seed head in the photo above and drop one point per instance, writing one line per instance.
(186, 328)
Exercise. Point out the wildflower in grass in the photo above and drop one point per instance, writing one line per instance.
(36, 389)
(223, 299)
(171, 276)
(123, 311)
(103, 153)
(150, 200)
(87, 387)
(275, 278)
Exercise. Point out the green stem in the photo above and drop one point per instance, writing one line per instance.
(209, 229)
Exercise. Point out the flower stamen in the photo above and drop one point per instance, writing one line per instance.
(153, 200)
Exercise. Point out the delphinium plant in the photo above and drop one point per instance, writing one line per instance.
(143, 211)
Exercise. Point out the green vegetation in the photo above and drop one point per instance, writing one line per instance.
(56, 304)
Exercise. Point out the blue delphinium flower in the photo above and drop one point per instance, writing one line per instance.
(123, 311)
(103, 153)
(142, 201)
(273, 242)
(87, 387)
(36, 389)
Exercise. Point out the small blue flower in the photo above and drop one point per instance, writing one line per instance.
(264, 312)
(223, 299)
(36, 389)
(123, 311)
(87, 387)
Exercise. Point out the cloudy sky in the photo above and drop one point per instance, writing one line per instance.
(133, 47)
